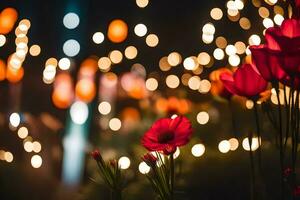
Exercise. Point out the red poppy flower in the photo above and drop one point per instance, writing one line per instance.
(246, 81)
(166, 134)
(267, 62)
(283, 46)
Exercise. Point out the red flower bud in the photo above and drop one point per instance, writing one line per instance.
(149, 159)
(96, 155)
(169, 150)
(113, 162)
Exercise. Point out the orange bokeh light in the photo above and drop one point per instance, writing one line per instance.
(8, 18)
(13, 75)
(2, 70)
(117, 31)
(85, 90)
(62, 95)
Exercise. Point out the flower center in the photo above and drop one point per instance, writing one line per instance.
(165, 137)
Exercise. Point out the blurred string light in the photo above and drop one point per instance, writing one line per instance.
(268, 23)
(218, 54)
(234, 144)
(202, 117)
(71, 47)
(216, 13)
(144, 168)
(117, 31)
(190, 63)
(151, 84)
(131, 52)
(104, 64)
(172, 81)
(64, 63)
(104, 108)
(224, 146)
(71, 20)
(208, 32)
(163, 64)
(124, 162)
(194, 83)
(198, 150)
(203, 58)
(174, 59)
(152, 40)
(116, 56)
(278, 19)
(14, 120)
(36, 161)
(115, 124)
(140, 30)
(22, 132)
(98, 37)
(50, 70)
(254, 40)
(79, 112)
(142, 3)
(2, 40)
(36, 146)
(35, 50)
(254, 145)
(6, 156)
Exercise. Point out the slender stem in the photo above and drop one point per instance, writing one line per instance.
(233, 119)
(252, 167)
(258, 135)
(281, 155)
(172, 175)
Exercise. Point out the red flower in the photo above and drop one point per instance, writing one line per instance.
(246, 81)
(167, 133)
(96, 155)
(149, 159)
(283, 47)
(266, 61)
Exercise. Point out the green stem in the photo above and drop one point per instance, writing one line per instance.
(252, 167)
(172, 175)
(281, 155)
(259, 136)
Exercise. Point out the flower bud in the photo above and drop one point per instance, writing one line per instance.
(149, 159)
(96, 155)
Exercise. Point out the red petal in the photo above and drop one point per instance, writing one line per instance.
(228, 82)
(249, 82)
(267, 62)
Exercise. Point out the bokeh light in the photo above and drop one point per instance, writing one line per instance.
(71, 48)
(202, 117)
(224, 146)
(98, 37)
(36, 161)
(140, 30)
(198, 150)
(71, 20)
(79, 112)
(124, 162)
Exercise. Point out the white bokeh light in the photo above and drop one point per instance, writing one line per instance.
(36, 161)
(71, 20)
(71, 47)
(144, 168)
(198, 150)
(124, 162)
(14, 120)
(79, 112)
